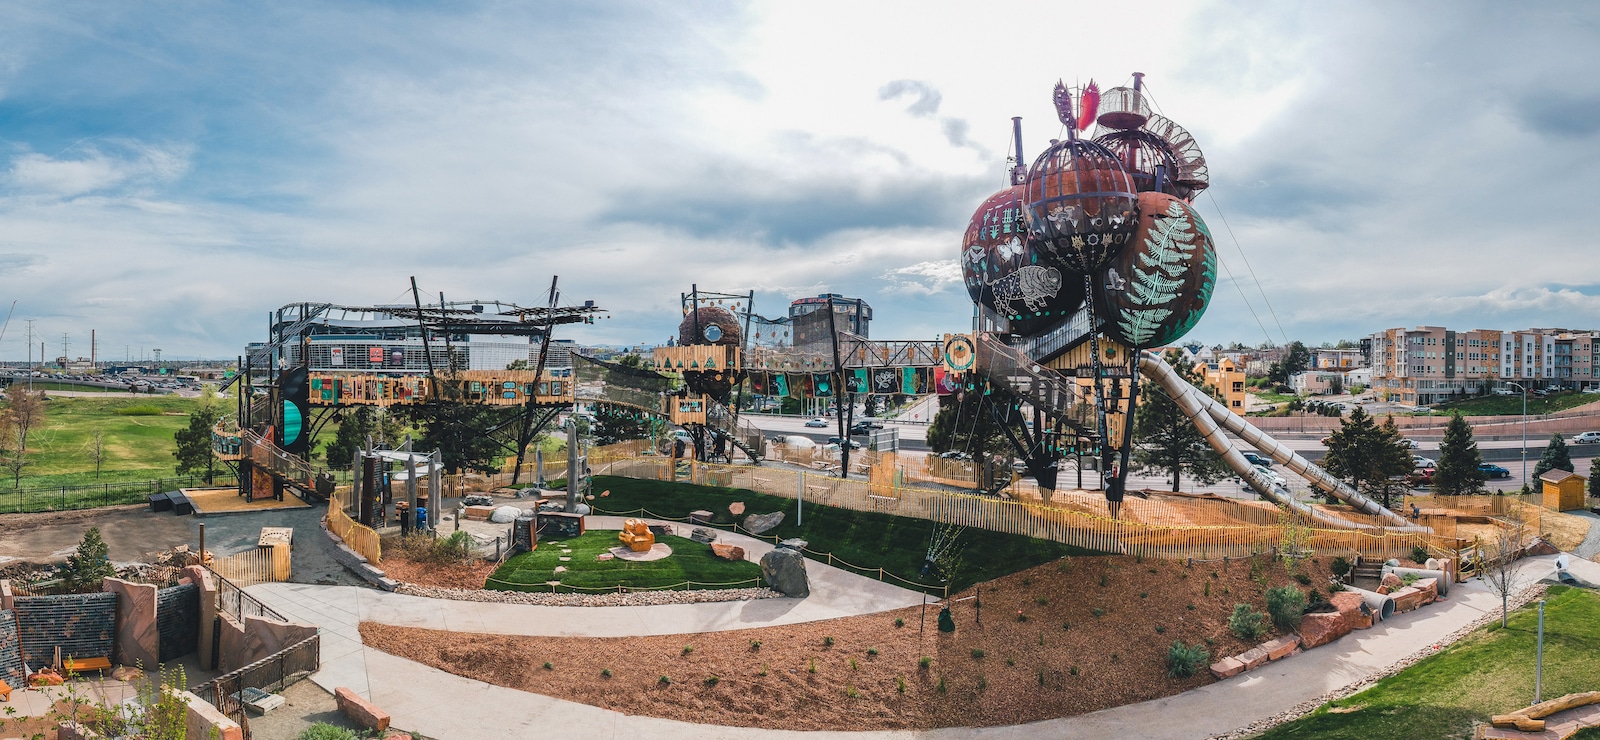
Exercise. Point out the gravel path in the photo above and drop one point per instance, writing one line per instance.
(1590, 549)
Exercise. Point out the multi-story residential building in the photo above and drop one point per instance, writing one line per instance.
(1429, 364)
(1227, 378)
(1337, 359)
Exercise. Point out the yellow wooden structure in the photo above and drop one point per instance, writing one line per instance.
(491, 387)
(637, 536)
(1563, 490)
(697, 358)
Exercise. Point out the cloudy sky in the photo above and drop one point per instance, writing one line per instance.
(170, 173)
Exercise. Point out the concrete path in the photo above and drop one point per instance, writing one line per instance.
(449, 707)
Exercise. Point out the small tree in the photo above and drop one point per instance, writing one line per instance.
(90, 564)
(98, 452)
(1167, 442)
(194, 444)
(1555, 457)
(354, 428)
(1459, 460)
(1287, 605)
(1594, 480)
(1500, 556)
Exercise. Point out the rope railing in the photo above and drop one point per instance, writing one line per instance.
(622, 589)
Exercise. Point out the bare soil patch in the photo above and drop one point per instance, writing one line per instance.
(1032, 647)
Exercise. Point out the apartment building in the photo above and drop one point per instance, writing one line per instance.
(1429, 364)
(1227, 377)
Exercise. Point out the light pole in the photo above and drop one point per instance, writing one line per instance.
(1524, 390)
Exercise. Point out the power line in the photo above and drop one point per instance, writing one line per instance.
(1247, 265)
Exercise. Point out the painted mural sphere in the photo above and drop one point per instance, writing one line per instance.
(1156, 289)
(710, 325)
(1080, 204)
(1003, 270)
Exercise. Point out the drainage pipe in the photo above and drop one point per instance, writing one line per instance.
(1442, 579)
(1382, 606)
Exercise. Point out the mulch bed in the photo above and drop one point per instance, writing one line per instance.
(1044, 653)
(456, 575)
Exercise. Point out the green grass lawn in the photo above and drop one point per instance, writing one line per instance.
(1488, 672)
(136, 447)
(690, 561)
(865, 539)
(1512, 405)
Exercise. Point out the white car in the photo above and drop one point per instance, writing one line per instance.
(1408, 443)
(1271, 475)
(818, 423)
(1586, 438)
(1418, 461)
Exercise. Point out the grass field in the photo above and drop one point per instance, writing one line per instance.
(1489, 672)
(136, 446)
(1512, 405)
(690, 561)
(866, 539)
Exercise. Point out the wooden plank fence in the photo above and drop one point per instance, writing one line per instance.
(261, 565)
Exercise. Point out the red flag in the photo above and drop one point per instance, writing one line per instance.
(1088, 105)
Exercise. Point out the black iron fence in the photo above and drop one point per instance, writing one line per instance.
(230, 691)
(234, 601)
(88, 496)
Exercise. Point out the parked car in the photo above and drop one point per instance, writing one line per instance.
(1327, 441)
(1421, 477)
(818, 423)
(860, 427)
(1494, 471)
(1271, 476)
(1258, 459)
(1418, 461)
(1586, 438)
(854, 445)
(1408, 443)
(1504, 392)
(955, 455)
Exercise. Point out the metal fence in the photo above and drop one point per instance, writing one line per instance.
(229, 691)
(231, 599)
(89, 496)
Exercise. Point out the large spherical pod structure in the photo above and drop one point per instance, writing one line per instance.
(1156, 289)
(1080, 204)
(1003, 270)
(711, 325)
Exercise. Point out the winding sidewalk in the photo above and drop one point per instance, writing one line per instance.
(449, 707)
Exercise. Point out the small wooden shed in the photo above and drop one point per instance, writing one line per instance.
(1563, 490)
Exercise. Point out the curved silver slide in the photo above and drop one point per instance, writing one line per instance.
(1207, 413)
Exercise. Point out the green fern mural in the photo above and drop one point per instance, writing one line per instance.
(1158, 275)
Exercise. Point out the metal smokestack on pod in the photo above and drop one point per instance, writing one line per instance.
(1019, 170)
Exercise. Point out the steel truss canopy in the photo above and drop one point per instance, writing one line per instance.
(455, 317)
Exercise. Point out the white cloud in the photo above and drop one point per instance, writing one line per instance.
(930, 277)
(89, 169)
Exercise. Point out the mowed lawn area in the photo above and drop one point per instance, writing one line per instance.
(865, 539)
(135, 438)
(1489, 672)
(690, 561)
(1512, 405)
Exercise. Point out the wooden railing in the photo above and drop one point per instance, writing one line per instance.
(356, 536)
(261, 565)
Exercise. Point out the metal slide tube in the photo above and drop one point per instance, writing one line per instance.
(1206, 413)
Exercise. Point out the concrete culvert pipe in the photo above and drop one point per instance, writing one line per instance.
(1441, 578)
(1382, 606)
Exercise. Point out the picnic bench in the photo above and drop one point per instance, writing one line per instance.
(80, 665)
(5, 691)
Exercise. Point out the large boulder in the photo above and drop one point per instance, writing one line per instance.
(1281, 647)
(758, 523)
(727, 552)
(505, 515)
(703, 535)
(1253, 658)
(1390, 584)
(1320, 629)
(1353, 608)
(360, 710)
(477, 499)
(785, 572)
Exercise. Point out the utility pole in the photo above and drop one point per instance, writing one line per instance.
(30, 354)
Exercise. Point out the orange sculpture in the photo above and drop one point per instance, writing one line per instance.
(637, 535)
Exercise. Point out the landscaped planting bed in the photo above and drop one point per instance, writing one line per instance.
(690, 562)
(866, 539)
(1063, 638)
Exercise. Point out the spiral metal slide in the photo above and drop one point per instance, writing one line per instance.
(1207, 414)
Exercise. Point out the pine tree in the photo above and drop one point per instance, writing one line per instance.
(1458, 472)
(1367, 456)
(194, 444)
(1594, 480)
(1555, 456)
(1167, 442)
(86, 568)
(354, 428)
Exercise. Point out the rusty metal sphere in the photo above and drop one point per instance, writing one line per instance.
(1158, 287)
(710, 325)
(1080, 204)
